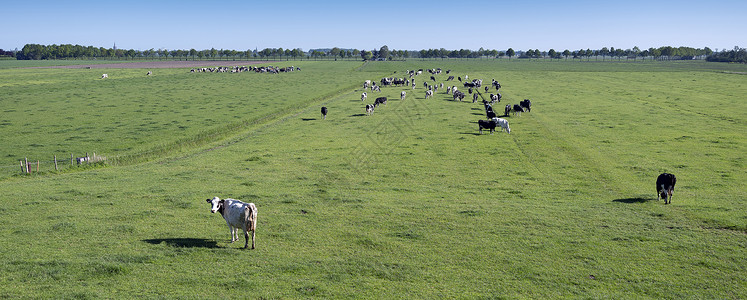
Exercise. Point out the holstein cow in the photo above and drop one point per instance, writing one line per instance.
(238, 215)
(487, 124)
(507, 110)
(364, 96)
(518, 109)
(665, 187)
(324, 112)
(402, 95)
(369, 109)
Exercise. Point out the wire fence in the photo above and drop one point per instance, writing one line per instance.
(50, 164)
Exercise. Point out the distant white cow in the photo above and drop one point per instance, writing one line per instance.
(104, 76)
(364, 96)
(503, 123)
(402, 95)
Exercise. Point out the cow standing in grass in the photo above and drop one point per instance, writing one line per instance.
(665, 187)
(324, 112)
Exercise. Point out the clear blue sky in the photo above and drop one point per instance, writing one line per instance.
(370, 24)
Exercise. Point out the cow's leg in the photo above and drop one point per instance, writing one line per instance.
(246, 238)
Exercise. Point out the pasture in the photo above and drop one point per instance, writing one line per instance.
(409, 202)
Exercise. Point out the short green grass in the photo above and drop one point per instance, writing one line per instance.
(412, 202)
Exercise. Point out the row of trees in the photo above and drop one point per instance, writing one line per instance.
(666, 52)
(67, 51)
(737, 55)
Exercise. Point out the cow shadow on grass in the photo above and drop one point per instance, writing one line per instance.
(184, 242)
(308, 119)
(471, 133)
(634, 200)
(358, 115)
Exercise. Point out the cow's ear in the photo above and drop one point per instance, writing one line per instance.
(208, 200)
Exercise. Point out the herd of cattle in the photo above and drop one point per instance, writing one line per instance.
(473, 87)
(243, 216)
(239, 69)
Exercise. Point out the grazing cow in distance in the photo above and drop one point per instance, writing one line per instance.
(503, 123)
(402, 95)
(369, 109)
(149, 73)
(364, 96)
(487, 124)
(518, 109)
(428, 94)
(433, 78)
(380, 100)
(665, 187)
(324, 112)
(507, 110)
(474, 97)
(104, 76)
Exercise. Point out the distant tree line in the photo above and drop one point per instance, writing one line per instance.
(7, 53)
(738, 55)
(68, 51)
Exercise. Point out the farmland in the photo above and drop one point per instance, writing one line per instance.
(408, 202)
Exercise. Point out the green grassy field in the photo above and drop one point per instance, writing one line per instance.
(409, 202)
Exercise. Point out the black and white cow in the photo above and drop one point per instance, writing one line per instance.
(517, 109)
(369, 109)
(487, 124)
(324, 112)
(665, 187)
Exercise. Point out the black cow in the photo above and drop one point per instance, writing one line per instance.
(526, 104)
(665, 187)
(324, 112)
(508, 109)
(380, 100)
(433, 78)
(518, 109)
(490, 114)
(487, 124)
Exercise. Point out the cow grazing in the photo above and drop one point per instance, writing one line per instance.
(665, 187)
(474, 97)
(238, 215)
(324, 112)
(518, 109)
(380, 100)
(503, 123)
(487, 124)
(369, 109)
(149, 73)
(364, 96)
(104, 76)
(428, 94)
(402, 95)
(507, 110)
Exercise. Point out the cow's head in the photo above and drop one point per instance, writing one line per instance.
(664, 194)
(216, 204)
